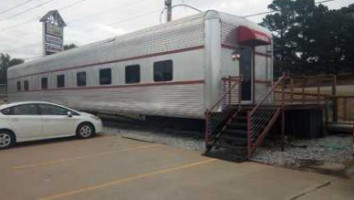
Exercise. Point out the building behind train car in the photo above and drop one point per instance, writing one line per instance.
(173, 69)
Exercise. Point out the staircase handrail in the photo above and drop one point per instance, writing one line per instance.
(275, 85)
(257, 128)
(237, 81)
(213, 119)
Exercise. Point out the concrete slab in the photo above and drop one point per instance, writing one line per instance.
(111, 167)
(337, 189)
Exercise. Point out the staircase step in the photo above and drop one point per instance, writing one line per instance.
(241, 119)
(232, 139)
(243, 112)
(234, 143)
(236, 149)
(238, 125)
(230, 143)
(227, 154)
(261, 119)
(236, 132)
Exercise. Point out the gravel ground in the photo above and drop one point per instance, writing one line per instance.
(332, 149)
(181, 139)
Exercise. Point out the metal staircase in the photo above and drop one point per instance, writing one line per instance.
(234, 132)
(231, 142)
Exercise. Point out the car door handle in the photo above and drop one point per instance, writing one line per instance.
(14, 120)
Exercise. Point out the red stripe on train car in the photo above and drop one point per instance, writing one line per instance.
(115, 61)
(120, 86)
(227, 46)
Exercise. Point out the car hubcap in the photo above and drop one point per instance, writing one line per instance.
(5, 140)
(85, 131)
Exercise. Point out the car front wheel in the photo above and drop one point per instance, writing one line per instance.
(85, 130)
(6, 139)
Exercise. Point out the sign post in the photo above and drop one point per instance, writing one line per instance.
(53, 32)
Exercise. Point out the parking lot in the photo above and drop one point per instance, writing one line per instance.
(112, 167)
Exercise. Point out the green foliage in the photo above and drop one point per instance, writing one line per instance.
(69, 46)
(6, 62)
(310, 38)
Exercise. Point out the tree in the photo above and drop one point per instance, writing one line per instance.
(342, 34)
(310, 38)
(280, 24)
(69, 46)
(6, 62)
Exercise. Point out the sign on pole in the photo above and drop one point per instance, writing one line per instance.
(53, 32)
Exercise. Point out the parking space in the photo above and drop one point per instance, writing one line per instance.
(111, 167)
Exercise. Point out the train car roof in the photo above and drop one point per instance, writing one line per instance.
(69, 54)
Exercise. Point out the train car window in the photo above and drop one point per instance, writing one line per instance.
(26, 85)
(18, 85)
(44, 83)
(163, 71)
(132, 74)
(81, 79)
(105, 76)
(60, 81)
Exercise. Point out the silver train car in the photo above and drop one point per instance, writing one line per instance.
(173, 69)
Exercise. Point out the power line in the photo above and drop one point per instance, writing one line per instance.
(24, 46)
(38, 17)
(117, 22)
(133, 18)
(16, 6)
(22, 12)
(31, 58)
(105, 11)
(71, 5)
(262, 13)
(269, 12)
(22, 23)
(61, 9)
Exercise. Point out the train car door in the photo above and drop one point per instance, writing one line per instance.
(246, 70)
(249, 39)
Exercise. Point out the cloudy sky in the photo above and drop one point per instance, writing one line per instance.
(93, 20)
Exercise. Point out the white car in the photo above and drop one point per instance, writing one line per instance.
(28, 121)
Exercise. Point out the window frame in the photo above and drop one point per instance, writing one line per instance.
(12, 108)
(25, 85)
(131, 67)
(100, 76)
(58, 81)
(74, 113)
(2, 111)
(46, 81)
(18, 86)
(78, 80)
(161, 64)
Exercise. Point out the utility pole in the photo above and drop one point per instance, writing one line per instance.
(168, 5)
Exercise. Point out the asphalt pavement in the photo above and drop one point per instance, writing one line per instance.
(112, 167)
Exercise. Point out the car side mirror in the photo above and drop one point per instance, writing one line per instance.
(69, 114)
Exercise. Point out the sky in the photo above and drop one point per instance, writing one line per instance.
(94, 20)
